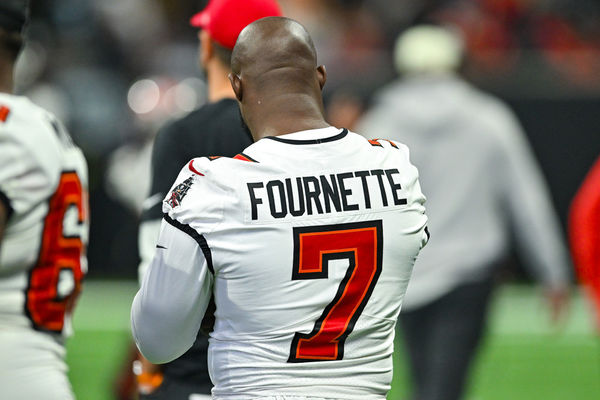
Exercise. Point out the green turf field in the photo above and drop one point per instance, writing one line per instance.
(523, 358)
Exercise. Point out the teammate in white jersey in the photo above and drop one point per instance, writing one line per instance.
(307, 240)
(43, 234)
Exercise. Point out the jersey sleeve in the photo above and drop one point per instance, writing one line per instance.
(167, 311)
(27, 176)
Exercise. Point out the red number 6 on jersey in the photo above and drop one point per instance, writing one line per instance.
(55, 280)
(362, 244)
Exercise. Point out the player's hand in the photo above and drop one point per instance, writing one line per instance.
(149, 376)
(557, 299)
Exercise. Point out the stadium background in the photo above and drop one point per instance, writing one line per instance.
(116, 70)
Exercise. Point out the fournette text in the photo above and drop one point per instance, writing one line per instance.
(309, 195)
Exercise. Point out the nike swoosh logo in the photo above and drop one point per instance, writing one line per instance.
(158, 246)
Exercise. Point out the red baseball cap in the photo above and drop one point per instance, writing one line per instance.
(225, 19)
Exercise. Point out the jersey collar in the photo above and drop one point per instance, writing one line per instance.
(313, 136)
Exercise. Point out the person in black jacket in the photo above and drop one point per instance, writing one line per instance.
(213, 130)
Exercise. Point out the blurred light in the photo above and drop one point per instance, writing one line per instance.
(199, 86)
(190, 94)
(143, 96)
(185, 97)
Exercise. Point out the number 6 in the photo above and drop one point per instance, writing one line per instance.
(59, 260)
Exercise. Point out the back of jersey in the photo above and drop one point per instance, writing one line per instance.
(43, 181)
(312, 238)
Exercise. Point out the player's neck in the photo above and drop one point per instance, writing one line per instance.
(287, 114)
(218, 84)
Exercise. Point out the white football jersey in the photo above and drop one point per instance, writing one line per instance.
(307, 241)
(43, 181)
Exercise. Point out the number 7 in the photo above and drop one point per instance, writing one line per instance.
(362, 244)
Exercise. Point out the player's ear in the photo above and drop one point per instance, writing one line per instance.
(321, 75)
(236, 85)
(206, 47)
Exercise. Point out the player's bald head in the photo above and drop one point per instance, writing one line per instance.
(275, 77)
(272, 43)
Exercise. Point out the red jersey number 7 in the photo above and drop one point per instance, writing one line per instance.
(362, 245)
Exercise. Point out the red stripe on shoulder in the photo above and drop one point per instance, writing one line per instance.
(392, 143)
(375, 142)
(244, 157)
(240, 157)
(4, 112)
(194, 170)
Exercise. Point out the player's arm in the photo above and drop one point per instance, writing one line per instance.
(168, 309)
(166, 165)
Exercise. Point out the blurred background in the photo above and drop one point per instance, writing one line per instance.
(116, 70)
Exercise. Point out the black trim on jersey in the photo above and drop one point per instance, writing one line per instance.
(196, 236)
(378, 225)
(6, 201)
(339, 136)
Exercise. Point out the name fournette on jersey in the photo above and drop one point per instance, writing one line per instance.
(324, 194)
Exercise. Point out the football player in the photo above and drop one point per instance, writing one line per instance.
(307, 240)
(43, 233)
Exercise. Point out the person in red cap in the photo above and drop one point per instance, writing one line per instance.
(213, 130)
(223, 20)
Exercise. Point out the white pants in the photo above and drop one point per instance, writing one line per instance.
(32, 366)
